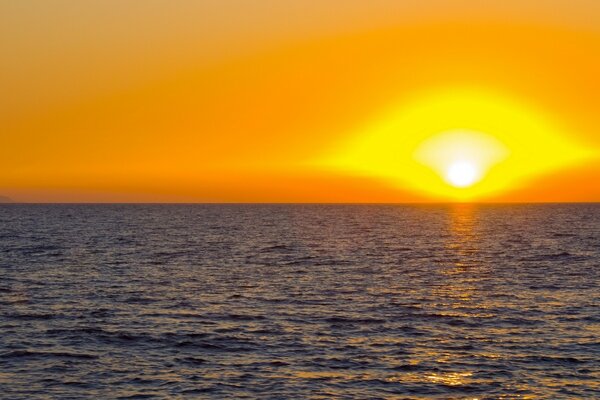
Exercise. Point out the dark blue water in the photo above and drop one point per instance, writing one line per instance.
(300, 301)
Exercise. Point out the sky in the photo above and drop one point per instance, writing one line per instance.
(300, 101)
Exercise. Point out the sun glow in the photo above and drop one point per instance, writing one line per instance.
(459, 144)
(462, 174)
(461, 157)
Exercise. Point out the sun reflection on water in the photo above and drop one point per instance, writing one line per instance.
(462, 244)
(450, 379)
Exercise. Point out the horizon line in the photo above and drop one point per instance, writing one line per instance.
(303, 203)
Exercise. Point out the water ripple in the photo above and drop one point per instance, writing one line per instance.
(303, 301)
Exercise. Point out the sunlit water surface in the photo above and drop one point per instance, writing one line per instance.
(300, 301)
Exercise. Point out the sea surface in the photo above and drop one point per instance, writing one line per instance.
(300, 301)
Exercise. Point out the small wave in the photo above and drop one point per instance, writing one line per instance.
(246, 317)
(520, 321)
(408, 367)
(278, 363)
(193, 360)
(193, 335)
(345, 320)
(277, 247)
(40, 249)
(75, 331)
(198, 391)
(544, 287)
(30, 353)
(554, 360)
(27, 316)
(548, 257)
(561, 234)
(140, 300)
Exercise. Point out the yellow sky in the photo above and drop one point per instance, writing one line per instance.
(284, 100)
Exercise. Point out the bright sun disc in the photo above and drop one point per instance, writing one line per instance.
(461, 174)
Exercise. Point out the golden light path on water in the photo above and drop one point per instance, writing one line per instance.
(460, 294)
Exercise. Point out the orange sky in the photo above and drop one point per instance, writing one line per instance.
(231, 100)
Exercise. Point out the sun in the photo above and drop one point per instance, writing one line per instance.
(458, 144)
(461, 158)
(462, 174)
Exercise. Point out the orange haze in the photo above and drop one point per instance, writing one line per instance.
(231, 100)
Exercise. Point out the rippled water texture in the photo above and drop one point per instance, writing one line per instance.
(299, 301)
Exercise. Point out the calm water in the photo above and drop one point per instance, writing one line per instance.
(300, 301)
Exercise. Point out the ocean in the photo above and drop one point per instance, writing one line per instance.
(300, 301)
